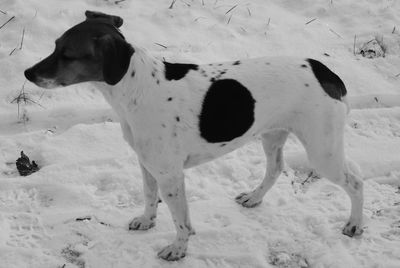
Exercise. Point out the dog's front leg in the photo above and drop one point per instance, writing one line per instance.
(172, 190)
(150, 190)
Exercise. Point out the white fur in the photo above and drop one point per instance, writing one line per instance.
(283, 104)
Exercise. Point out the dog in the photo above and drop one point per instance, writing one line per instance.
(180, 115)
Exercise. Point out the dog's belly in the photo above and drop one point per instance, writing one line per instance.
(208, 152)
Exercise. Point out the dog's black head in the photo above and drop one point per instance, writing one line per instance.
(93, 50)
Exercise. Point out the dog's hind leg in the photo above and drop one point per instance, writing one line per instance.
(273, 145)
(150, 190)
(325, 149)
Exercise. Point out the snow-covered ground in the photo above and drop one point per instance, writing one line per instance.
(75, 211)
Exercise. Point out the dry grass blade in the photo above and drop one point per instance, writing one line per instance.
(232, 8)
(229, 20)
(308, 22)
(338, 35)
(172, 4)
(24, 98)
(13, 17)
(158, 44)
(21, 43)
(354, 45)
(248, 10)
(22, 39)
(196, 19)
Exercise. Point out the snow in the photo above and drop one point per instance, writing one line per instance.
(89, 172)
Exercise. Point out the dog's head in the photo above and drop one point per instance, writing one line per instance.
(93, 50)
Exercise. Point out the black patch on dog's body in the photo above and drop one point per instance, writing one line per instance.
(227, 111)
(176, 71)
(330, 82)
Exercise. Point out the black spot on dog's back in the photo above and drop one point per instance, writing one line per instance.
(176, 71)
(330, 82)
(227, 111)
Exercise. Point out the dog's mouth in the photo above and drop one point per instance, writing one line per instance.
(48, 83)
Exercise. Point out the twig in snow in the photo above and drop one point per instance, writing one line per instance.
(248, 10)
(232, 8)
(13, 17)
(1, 11)
(394, 29)
(172, 4)
(335, 33)
(158, 44)
(397, 75)
(308, 22)
(269, 20)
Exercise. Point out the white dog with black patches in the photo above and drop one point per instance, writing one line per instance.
(177, 116)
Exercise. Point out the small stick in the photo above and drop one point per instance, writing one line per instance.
(354, 45)
(397, 75)
(308, 22)
(13, 17)
(161, 45)
(335, 32)
(269, 20)
(394, 29)
(172, 4)
(232, 8)
(1, 11)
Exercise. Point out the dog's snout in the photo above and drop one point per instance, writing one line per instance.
(29, 74)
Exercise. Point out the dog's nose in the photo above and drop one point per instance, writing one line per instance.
(29, 74)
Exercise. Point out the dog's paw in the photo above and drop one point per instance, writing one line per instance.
(142, 223)
(248, 200)
(172, 252)
(352, 230)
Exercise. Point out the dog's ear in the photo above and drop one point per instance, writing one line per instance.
(117, 55)
(114, 20)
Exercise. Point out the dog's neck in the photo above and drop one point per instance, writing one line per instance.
(143, 72)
